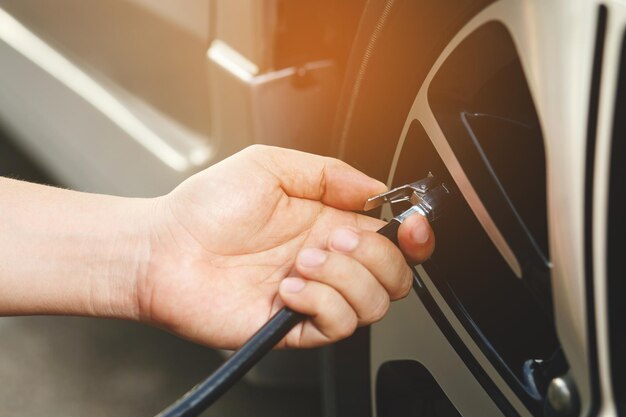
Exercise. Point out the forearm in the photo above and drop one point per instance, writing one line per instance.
(65, 252)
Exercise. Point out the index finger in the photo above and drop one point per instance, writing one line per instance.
(314, 177)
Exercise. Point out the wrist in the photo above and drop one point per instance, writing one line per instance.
(125, 258)
(71, 253)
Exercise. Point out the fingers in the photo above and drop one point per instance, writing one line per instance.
(356, 284)
(378, 255)
(328, 311)
(352, 281)
(314, 177)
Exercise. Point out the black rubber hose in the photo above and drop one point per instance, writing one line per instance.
(203, 395)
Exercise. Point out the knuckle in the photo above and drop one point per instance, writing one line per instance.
(389, 254)
(380, 310)
(256, 149)
(324, 299)
(373, 250)
(347, 327)
(322, 182)
(406, 284)
(327, 303)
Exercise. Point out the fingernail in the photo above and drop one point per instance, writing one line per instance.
(344, 240)
(292, 285)
(420, 232)
(311, 257)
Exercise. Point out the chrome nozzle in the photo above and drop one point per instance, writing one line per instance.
(426, 196)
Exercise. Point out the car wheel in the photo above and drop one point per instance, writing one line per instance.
(510, 103)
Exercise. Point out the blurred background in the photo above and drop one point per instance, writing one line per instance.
(132, 96)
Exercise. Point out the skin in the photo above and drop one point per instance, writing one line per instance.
(214, 259)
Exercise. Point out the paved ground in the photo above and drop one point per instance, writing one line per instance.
(78, 367)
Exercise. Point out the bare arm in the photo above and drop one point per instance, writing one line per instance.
(216, 257)
(65, 252)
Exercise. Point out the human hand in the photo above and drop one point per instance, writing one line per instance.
(270, 227)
